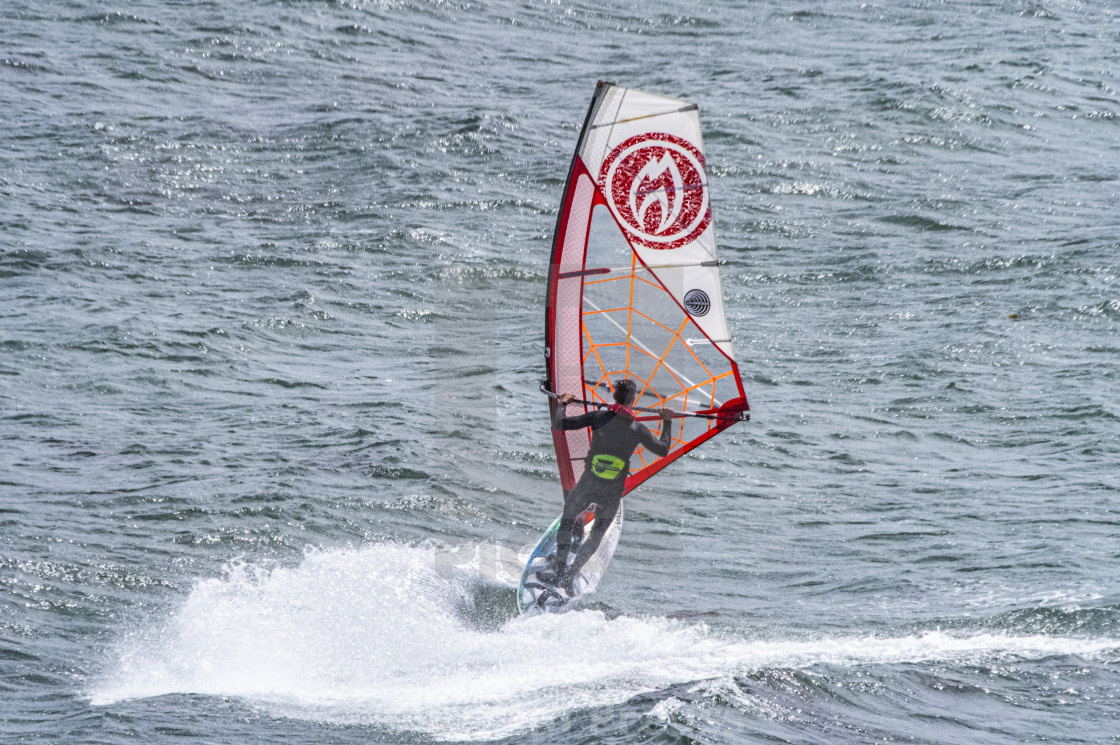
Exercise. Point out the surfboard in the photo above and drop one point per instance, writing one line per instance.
(537, 596)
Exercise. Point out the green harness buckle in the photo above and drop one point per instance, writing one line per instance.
(607, 466)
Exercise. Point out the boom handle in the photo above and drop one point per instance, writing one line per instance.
(744, 416)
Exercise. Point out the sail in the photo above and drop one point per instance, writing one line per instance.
(633, 289)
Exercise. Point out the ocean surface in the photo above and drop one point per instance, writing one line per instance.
(272, 279)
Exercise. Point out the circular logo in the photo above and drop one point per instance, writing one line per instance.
(697, 302)
(657, 188)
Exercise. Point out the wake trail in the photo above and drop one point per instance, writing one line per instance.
(376, 635)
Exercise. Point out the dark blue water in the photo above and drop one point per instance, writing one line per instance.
(271, 288)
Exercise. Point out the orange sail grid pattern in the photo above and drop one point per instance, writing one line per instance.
(686, 395)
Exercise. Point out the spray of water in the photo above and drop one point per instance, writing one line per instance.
(378, 635)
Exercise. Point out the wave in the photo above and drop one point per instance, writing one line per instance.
(388, 635)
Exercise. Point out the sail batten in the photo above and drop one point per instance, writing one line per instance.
(689, 107)
(634, 288)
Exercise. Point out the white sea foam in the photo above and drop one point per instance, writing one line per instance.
(376, 635)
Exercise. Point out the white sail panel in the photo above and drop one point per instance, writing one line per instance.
(646, 154)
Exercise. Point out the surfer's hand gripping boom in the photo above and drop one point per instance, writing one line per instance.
(664, 412)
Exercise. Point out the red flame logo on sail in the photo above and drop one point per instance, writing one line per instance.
(656, 187)
(657, 184)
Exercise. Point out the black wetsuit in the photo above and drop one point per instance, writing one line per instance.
(614, 437)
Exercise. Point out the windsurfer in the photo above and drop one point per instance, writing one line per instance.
(616, 433)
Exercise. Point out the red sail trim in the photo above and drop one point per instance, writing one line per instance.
(561, 444)
(565, 252)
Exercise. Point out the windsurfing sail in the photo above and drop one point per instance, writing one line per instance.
(633, 286)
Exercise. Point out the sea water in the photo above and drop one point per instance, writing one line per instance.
(271, 289)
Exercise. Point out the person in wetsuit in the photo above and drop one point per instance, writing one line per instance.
(615, 434)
